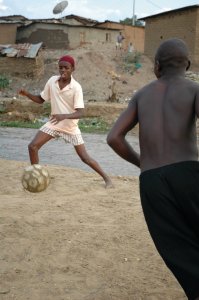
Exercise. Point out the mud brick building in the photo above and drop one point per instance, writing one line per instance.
(182, 23)
(133, 34)
(22, 60)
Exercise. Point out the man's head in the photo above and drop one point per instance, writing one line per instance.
(68, 59)
(66, 66)
(171, 54)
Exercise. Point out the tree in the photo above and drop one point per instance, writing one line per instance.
(129, 21)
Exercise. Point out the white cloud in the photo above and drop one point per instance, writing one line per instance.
(167, 8)
(155, 12)
(2, 6)
(90, 10)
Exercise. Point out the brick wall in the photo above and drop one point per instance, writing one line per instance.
(8, 33)
(181, 24)
(22, 67)
(132, 34)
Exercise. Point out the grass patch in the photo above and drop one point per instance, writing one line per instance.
(4, 82)
(21, 124)
(132, 62)
(87, 125)
(93, 125)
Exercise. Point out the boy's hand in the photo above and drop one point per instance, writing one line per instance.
(57, 118)
(23, 92)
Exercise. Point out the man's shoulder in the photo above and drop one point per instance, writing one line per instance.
(148, 86)
(144, 92)
(192, 83)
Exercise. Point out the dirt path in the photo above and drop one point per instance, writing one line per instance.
(77, 240)
(14, 142)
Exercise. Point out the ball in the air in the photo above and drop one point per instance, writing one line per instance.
(35, 178)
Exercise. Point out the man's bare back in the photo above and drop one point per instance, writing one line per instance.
(166, 111)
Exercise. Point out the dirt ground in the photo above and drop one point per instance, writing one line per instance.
(96, 70)
(77, 240)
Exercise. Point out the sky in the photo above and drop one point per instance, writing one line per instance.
(100, 10)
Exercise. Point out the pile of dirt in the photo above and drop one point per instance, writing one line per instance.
(107, 83)
(101, 72)
(95, 70)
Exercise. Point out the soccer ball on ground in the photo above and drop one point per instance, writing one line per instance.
(35, 178)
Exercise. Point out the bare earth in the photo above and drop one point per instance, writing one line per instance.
(95, 69)
(77, 240)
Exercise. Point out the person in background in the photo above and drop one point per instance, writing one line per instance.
(119, 41)
(130, 48)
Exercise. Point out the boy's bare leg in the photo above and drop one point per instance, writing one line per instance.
(81, 151)
(39, 140)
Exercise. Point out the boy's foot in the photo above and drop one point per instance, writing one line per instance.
(108, 183)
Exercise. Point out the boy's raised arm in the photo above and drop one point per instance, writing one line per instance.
(34, 98)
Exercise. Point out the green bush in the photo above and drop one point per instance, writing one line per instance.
(4, 82)
(132, 62)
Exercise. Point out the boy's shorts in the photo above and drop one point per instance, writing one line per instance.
(74, 139)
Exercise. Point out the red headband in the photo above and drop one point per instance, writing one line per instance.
(68, 59)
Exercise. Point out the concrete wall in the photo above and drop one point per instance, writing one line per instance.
(8, 33)
(180, 24)
(56, 36)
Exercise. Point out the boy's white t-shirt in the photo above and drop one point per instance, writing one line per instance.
(63, 101)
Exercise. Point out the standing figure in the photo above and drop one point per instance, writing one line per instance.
(119, 41)
(130, 48)
(66, 98)
(166, 111)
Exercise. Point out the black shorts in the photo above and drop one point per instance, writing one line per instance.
(170, 202)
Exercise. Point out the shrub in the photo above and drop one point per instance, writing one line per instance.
(132, 62)
(4, 82)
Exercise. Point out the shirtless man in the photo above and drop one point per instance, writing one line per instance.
(166, 111)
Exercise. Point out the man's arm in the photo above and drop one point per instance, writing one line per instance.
(116, 137)
(197, 101)
(35, 98)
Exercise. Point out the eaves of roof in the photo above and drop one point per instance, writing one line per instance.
(169, 11)
(67, 25)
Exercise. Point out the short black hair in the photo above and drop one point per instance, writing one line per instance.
(172, 53)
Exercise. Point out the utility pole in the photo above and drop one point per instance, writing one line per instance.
(133, 17)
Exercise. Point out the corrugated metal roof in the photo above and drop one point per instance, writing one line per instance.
(20, 50)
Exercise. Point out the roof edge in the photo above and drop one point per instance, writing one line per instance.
(169, 11)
